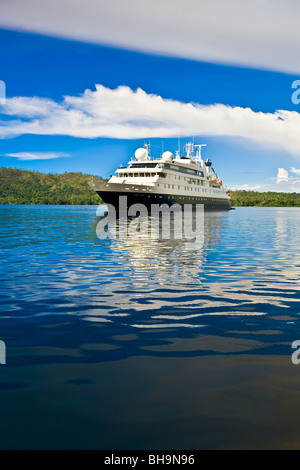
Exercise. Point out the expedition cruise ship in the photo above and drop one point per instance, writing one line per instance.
(169, 179)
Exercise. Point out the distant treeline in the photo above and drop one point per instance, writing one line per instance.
(269, 199)
(31, 187)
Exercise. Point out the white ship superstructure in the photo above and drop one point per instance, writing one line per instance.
(169, 179)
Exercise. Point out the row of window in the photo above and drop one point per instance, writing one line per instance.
(191, 198)
(189, 180)
(197, 182)
(137, 175)
(186, 188)
(162, 175)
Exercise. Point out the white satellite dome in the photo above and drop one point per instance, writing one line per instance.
(141, 154)
(167, 156)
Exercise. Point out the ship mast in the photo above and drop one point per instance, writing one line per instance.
(189, 149)
(198, 153)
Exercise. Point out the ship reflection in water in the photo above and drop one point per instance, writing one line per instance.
(161, 255)
(135, 343)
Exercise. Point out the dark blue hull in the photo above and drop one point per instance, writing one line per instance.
(112, 197)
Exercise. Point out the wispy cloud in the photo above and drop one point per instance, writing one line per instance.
(245, 187)
(23, 156)
(126, 114)
(282, 187)
(257, 33)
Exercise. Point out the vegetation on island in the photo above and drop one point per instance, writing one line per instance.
(31, 187)
(267, 199)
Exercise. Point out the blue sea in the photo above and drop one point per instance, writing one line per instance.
(144, 344)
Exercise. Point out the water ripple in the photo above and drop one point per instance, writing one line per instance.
(53, 264)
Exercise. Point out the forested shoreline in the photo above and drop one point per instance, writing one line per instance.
(266, 199)
(32, 187)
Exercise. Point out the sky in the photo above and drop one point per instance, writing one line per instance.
(87, 83)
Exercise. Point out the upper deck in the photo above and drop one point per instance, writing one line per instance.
(169, 171)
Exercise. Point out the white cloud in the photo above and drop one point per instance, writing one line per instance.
(23, 156)
(126, 114)
(287, 183)
(282, 175)
(257, 33)
(295, 171)
(283, 183)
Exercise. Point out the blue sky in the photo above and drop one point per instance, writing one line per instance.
(49, 68)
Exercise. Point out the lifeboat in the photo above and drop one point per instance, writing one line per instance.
(216, 182)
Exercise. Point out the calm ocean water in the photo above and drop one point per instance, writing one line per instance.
(135, 344)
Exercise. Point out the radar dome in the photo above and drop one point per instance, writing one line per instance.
(141, 154)
(167, 156)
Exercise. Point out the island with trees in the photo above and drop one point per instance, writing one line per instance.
(31, 187)
(265, 199)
